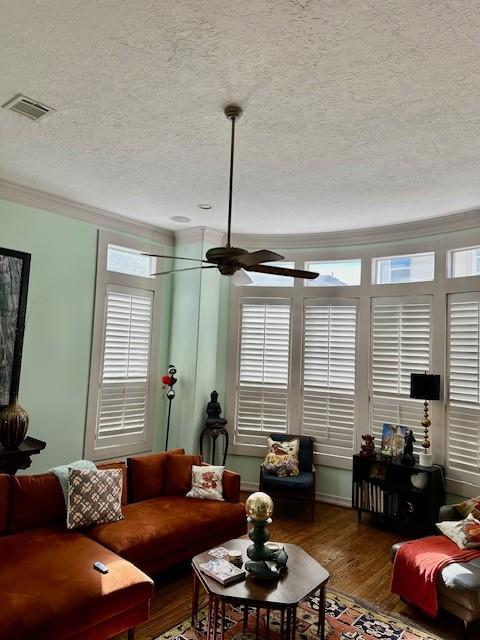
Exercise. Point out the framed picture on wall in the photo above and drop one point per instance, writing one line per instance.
(14, 275)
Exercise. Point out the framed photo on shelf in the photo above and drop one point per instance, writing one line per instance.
(393, 438)
(14, 274)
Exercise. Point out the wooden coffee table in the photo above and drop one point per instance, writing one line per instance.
(303, 577)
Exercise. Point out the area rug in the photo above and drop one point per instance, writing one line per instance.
(346, 619)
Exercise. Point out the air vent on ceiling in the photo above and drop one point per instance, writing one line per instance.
(28, 107)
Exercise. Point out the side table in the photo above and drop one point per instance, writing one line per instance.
(303, 577)
(213, 431)
(11, 460)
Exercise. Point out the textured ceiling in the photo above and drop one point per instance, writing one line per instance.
(357, 113)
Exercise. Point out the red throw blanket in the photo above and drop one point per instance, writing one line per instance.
(417, 565)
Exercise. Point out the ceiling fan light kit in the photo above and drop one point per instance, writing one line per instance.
(231, 260)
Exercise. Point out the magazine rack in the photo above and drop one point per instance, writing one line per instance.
(404, 498)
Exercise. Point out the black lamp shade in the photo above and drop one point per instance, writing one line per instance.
(424, 386)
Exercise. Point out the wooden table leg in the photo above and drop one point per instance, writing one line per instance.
(245, 618)
(289, 630)
(195, 594)
(209, 620)
(282, 622)
(294, 622)
(268, 625)
(321, 614)
(215, 618)
(222, 620)
(257, 624)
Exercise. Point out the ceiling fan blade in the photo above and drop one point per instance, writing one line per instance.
(257, 257)
(157, 255)
(164, 273)
(241, 278)
(282, 271)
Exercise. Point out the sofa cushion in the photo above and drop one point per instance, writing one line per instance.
(146, 475)
(158, 527)
(50, 589)
(94, 497)
(118, 464)
(35, 501)
(178, 474)
(4, 501)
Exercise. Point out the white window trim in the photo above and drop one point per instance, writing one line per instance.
(104, 278)
(439, 288)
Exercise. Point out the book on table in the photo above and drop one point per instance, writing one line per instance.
(222, 571)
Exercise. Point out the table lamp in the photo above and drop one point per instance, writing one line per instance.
(425, 386)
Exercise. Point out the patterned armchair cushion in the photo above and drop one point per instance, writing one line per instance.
(280, 465)
(94, 497)
(284, 447)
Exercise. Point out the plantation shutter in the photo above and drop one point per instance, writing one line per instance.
(123, 389)
(329, 355)
(263, 372)
(463, 401)
(400, 345)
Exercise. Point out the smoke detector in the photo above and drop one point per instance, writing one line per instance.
(28, 107)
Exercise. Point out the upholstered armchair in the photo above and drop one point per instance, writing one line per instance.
(298, 488)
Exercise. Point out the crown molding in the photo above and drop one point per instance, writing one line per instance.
(462, 221)
(72, 209)
(199, 234)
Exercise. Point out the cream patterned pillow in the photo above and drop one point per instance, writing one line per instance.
(94, 497)
(465, 533)
(207, 482)
(285, 448)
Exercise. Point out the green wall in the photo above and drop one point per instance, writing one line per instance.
(193, 345)
(56, 354)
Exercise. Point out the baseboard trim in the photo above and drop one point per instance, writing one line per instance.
(338, 501)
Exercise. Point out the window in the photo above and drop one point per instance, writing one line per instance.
(400, 345)
(130, 262)
(329, 353)
(464, 262)
(123, 394)
(120, 413)
(417, 267)
(463, 401)
(270, 280)
(335, 273)
(263, 371)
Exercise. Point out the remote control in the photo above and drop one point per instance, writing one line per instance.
(99, 566)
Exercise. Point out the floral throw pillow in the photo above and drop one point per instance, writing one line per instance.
(94, 497)
(465, 533)
(472, 505)
(280, 465)
(285, 448)
(207, 482)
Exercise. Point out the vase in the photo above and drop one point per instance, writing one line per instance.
(13, 425)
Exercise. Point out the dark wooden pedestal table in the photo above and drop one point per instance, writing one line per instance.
(303, 577)
(11, 460)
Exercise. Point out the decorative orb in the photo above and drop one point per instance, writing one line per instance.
(170, 394)
(259, 506)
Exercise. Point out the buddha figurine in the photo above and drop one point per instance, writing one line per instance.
(213, 411)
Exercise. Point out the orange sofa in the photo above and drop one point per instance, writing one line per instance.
(49, 588)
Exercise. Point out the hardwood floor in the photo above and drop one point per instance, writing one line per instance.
(356, 555)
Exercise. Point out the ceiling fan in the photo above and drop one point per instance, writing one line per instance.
(233, 261)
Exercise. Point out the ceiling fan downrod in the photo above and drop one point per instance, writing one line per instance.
(232, 112)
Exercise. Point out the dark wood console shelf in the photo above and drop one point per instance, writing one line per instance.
(11, 460)
(384, 488)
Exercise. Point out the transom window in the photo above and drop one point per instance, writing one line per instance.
(416, 267)
(335, 273)
(270, 280)
(464, 262)
(130, 262)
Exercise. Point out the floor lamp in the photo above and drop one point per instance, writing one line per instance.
(169, 380)
(425, 386)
